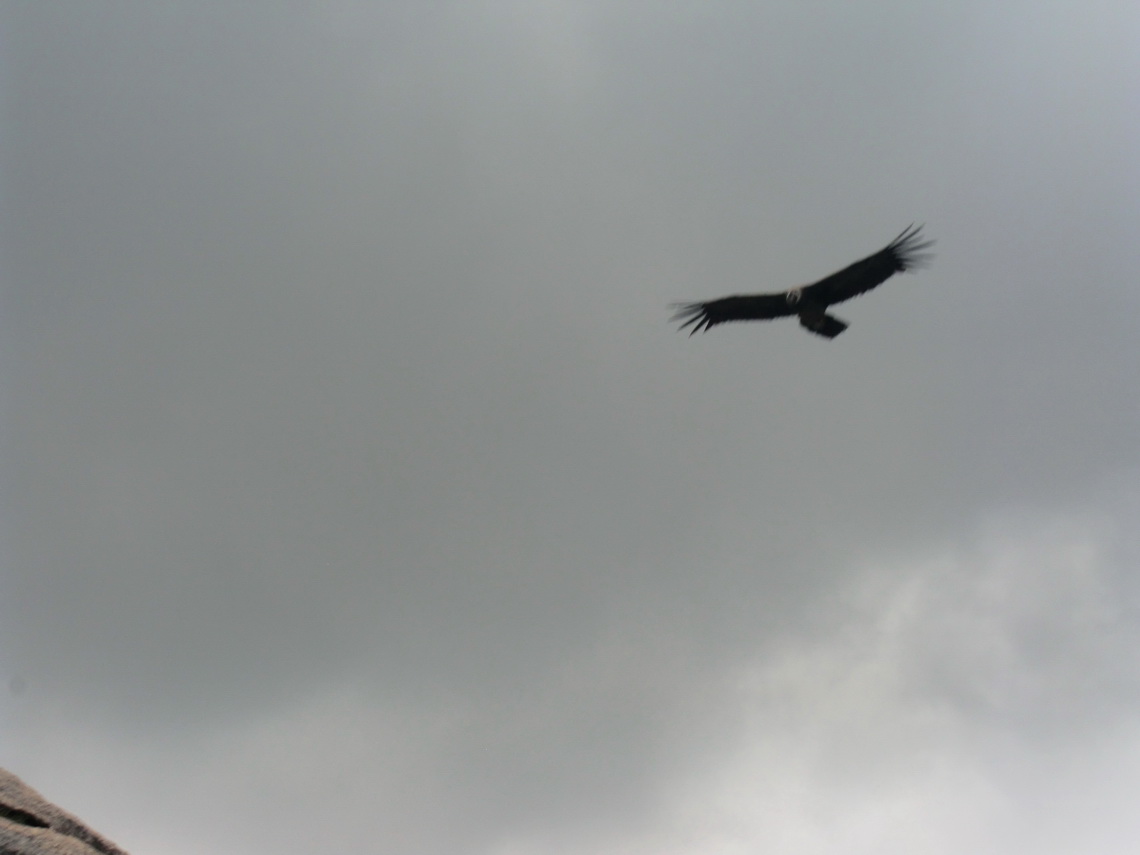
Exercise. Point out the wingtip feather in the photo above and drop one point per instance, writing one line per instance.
(909, 248)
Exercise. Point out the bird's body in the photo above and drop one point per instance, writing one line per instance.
(810, 302)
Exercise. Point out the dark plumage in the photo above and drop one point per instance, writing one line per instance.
(810, 302)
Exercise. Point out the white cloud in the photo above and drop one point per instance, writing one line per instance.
(971, 701)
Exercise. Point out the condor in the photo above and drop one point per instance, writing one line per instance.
(810, 302)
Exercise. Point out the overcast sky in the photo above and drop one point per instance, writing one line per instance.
(357, 495)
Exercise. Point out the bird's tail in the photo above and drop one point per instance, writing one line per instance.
(822, 324)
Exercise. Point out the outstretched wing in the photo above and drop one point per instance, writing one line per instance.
(906, 252)
(742, 307)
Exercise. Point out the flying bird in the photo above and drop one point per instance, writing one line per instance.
(810, 302)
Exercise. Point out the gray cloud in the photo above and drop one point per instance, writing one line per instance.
(344, 423)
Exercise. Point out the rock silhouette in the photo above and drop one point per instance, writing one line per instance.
(31, 825)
